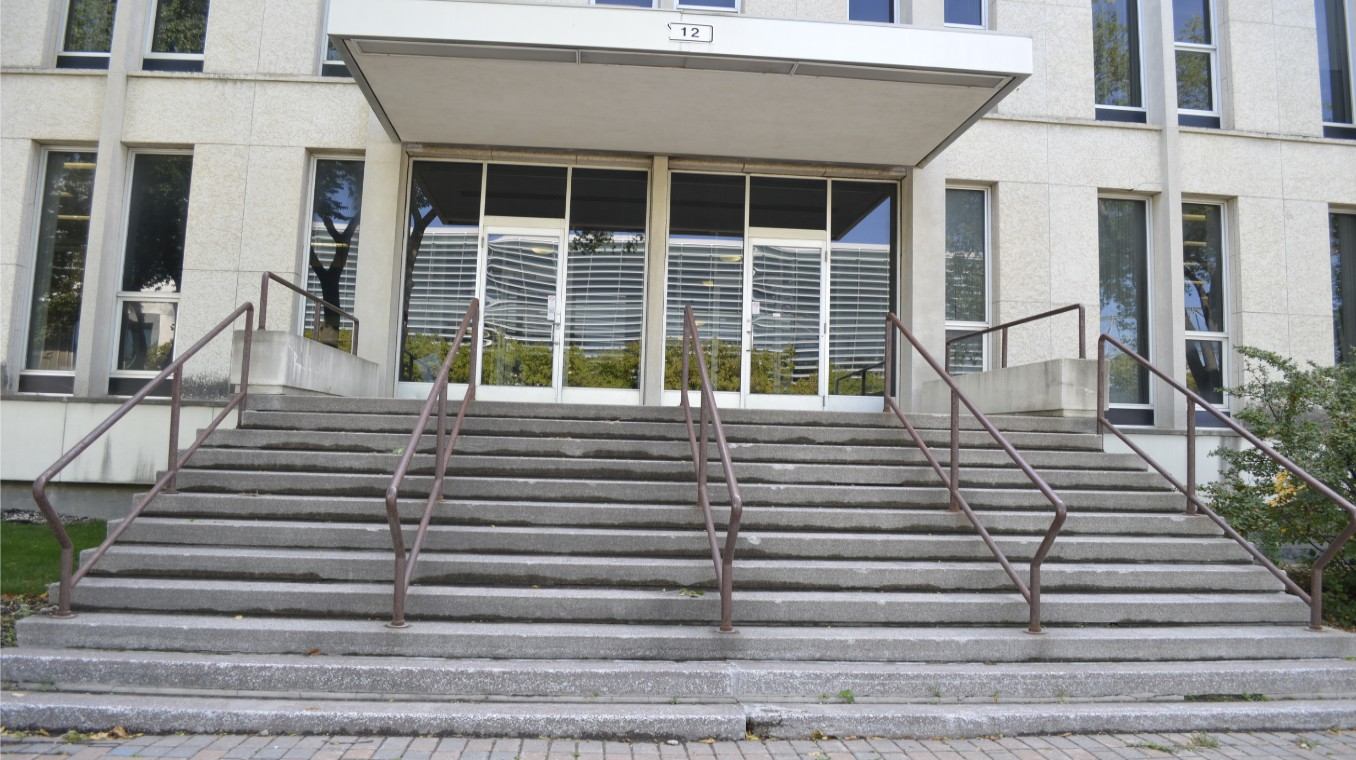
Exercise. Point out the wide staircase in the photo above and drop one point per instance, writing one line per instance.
(567, 588)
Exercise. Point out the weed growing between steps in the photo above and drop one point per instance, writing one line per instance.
(30, 560)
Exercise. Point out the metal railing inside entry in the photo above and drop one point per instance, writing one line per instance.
(1030, 591)
(447, 440)
(1314, 598)
(699, 436)
(321, 305)
(1005, 326)
(70, 576)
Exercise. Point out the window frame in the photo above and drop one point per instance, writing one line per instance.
(1194, 117)
(1340, 129)
(1128, 114)
(1137, 414)
(45, 381)
(82, 59)
(1346, 286)
(983, 17)
(653, 4)
(119, 378)
(970, 325)
(1224, 283)
(178, 62)
(697, 5)
(894, 14)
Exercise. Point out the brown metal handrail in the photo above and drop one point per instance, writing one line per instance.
(1032, 591)
(1314, 598)
(404, 565)
(166, 483)
(320, 305)
(710, 419)
(1082, 332)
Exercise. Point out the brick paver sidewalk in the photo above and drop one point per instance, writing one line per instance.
(1278, 745)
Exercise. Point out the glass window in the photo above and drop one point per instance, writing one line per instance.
(862, 239)
(788, 203)
(333, 65)
(1336, 60)
(967, 275)
(1194, 36)
(882, 11)
(964, 13)
(605, 278)
(528, 191)
(1342, 233)
(177, 36)
(631, 3)
(441, 240)
(1123, 274)
(1203, 267)
(1116, 60)
(709, 5)
(59, 268)
(153, 260)
(88, 36)
(332, 253)
(706, 272)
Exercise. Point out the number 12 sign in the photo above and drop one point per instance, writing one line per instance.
(691, 32)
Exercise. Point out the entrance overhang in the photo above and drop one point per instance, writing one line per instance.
(595, 78)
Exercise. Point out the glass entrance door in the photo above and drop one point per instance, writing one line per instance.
(522, 303)
(784, 313)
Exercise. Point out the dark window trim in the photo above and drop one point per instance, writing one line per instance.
(1130, 416)
(71, 61)
(172, 64)
(57, 384)
(1197, 120)
(1339, 131)
(129, 386)
(1128, 116)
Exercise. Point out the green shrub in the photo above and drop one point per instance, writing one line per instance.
(1309, 416)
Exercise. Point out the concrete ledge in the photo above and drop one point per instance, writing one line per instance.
(1054, 388)
(283, 363)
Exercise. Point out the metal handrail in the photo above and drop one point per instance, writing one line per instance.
(1082, 332)
(710, 418)
(1032, 591)
(166, 483)
(1314, 598)
(404, 565)
(319, 303)
(839, 381)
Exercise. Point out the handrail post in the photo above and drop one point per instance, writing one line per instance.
(1082, 332)
(888, 390)
(245, 367)
(1191, 456)
(955, 451)
(442, 441)
(1004, 365)
(263, 299)
(176, 400)
(1102, 389)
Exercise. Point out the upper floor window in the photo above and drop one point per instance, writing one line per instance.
(709, 5)
(1116, 60)
(88, 34)
(1194, 36)
(1336, 61)
(882, 11)
(178, 32)
(1342, 233)
(631, 3)
(333, 65)
(965, 13)
(967, 276)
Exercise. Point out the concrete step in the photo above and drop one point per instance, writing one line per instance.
(755, 574)
(221, 633)
(417, 679)
(671, 492)
(521, 513)
(752, 544)
(622, 605)
(894, 453)
(672, 429)
(313, 464)
(612, 413)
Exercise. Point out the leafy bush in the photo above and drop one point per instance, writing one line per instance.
(1309, 416)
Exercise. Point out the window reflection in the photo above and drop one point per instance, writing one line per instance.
(861, 245)
(332, 258)
(89, 34)
(1115, 51)
(1342, 235)
(59, 262)
(1124, 284)
(967, 275)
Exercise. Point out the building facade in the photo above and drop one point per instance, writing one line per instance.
(791, 170)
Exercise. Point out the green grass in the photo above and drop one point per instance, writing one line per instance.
(30, 556)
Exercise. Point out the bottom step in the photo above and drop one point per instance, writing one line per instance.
(86, 712)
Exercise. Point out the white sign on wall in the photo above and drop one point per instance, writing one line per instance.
(692, 32)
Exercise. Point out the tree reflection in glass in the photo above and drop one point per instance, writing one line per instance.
(59, 265)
